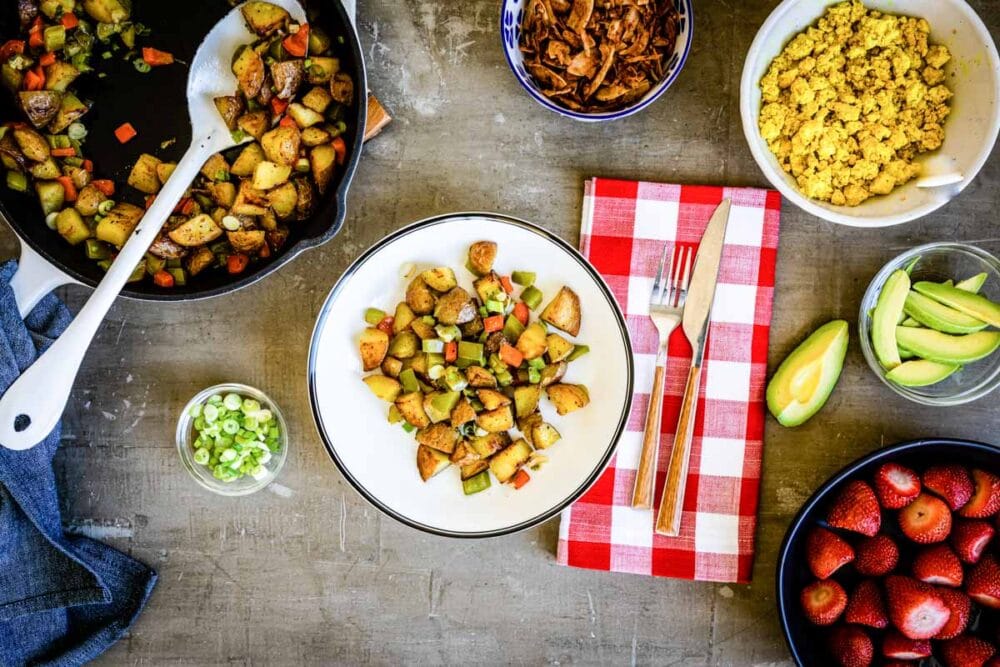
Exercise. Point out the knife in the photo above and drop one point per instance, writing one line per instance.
(697, 310)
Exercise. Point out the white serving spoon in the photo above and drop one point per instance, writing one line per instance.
(33, 405)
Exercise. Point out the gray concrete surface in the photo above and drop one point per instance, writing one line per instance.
(315, 575)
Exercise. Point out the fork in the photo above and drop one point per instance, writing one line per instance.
(666, 307)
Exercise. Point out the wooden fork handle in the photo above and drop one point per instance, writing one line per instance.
(668, 520)
(642, 494)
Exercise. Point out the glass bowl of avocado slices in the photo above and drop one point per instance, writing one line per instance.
(930, 324)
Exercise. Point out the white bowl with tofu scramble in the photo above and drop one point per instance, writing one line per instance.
(549, 408)
(859, 154)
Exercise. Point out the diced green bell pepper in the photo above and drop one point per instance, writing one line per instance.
(180, 276)
(532, 297)
(512, 328)
(476, 483)
(470, 351)
(408, 379)
(523, 278)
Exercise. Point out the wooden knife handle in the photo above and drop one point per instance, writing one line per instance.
(645, 475)
(668, 520)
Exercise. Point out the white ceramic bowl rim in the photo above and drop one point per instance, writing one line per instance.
(326, 310)
(652, 96)
(765, 160)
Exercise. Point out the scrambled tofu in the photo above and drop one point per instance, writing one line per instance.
(852, 100)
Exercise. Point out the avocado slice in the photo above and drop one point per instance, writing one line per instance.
(887, 316)
(947, 349)
(973, 284)
(903, 352)
(971, 304)
(921, 373)
(938, 316)
(807, 376)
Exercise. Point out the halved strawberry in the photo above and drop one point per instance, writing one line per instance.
(896, 645)
(938, 565)
(915, 608)
(851, 646)
(951, 482)
(856, 509)
(969, 537)
(827, 552)
(986, 497)
(926, 520)
(823, 601)
(960, 606)
(966, 652)
(876, 556)
(866, 606)
(983, 582)
(896, 486)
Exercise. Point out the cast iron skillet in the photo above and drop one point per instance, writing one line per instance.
(156, 105)
(807, 642)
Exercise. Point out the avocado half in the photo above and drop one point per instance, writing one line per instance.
(806, 378)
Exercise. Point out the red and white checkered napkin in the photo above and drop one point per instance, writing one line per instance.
(625, 225)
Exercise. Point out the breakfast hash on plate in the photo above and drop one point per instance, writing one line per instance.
(461, 370)
(288, 114)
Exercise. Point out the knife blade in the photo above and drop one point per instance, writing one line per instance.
(704, 276)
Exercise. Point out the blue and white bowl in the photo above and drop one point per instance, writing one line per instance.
(511, 15)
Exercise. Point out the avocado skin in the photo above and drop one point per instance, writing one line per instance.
(946, 349)
(971, 304)
(835, 336)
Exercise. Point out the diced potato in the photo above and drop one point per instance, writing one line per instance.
(342, 88)
(143, 176)
(419, 297)
(199, 230)
(215, 167)
(481, 257)
(492, 399)
(544, 435)
(304, 116)
(563, 312)
(246, 240)
(249, 70)
(464, 454)
(199, 260)
(250, 201)
(463, 413)
(268, 175)
(527, 424)
(323, 69)
(430, 462)
(403, 317)
(59, 75)
(281, 145)
(287, 77)
(507, 462)
(222, 193)
(248, 160)
(45, 171)
(283, 199)
(553, 373)
(489, 444)
(384, 387)
(71, 109)
(441, 437)
(315, 136)
(323, 161)
(88, 200)
(106, 11)
(392, 367)
(230, 107)
(254, 123)
(32, 144)
(118, 224)
(52, 196)
(71, 227)
(422, 329)
(165, 170)
(474, 469)
(488, 286)
(526, 399)
(411, 406)
(532, 341)
(568, 397)
(40, 106)
(480, 377)
(455, 307)
(404, 345)
(497, 420)
(374, 345)
(306, 204)
(317, 99)
(264, 17)
(558, 347)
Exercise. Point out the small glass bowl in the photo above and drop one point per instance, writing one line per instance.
(939, 262)
(202, 474)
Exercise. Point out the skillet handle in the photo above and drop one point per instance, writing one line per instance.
(35, 278)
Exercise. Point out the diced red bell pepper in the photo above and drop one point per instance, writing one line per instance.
(507, 285)
(88, 166)
(69, 20)
(34, 79)
(237, 263)
(106, 186)
(511, 355)
(451, 351)
(63, 152)
(278, 106)
(47, 59)
(125, 133)
(264, 252)
(149, 201)
(298, 44)
(520, 478)
(521, 313)
(163, 278)
(493, 323)
(10, 48)
(386, 324)
(341, 148)
(156, 58)
(288, 121)
(36, 39)
(69, 187)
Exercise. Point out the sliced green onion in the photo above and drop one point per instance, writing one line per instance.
(141, 65)
(210, 413)
(77, 131)
(432, 345)
(201, 456)
(448, 333)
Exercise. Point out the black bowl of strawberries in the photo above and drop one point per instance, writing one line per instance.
(895, 560)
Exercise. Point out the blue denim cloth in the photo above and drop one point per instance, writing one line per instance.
(64, 600)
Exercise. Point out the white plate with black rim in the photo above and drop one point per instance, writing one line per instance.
(379, 458)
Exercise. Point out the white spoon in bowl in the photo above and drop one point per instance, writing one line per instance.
(32, 406)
